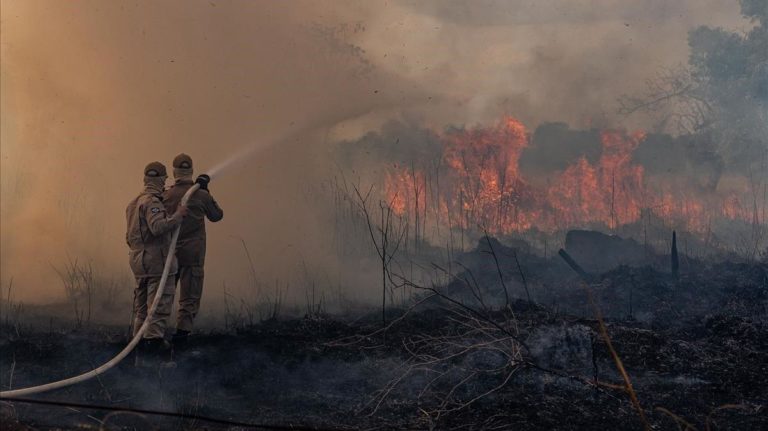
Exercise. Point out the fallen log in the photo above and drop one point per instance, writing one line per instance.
(586, 277)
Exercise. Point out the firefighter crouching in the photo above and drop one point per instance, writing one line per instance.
(190, 248)
(149, 236)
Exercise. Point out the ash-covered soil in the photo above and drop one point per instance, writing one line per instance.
(695, 348)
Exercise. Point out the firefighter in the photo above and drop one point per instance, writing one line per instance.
(190, 248)
(149, 231)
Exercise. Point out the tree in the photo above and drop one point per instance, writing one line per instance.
(723, 91)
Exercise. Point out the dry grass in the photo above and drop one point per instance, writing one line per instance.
(616, 359)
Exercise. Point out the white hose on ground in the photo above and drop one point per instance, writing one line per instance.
(136, 338)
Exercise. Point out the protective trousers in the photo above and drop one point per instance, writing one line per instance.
(143, 296)
(191, 255)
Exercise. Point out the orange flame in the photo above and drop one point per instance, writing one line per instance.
(483, 187)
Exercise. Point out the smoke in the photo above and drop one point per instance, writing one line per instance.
(92, 91)
(564, 61)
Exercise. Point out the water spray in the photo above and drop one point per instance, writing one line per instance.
(238, 157)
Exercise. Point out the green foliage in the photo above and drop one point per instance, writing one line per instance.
(731, 72)
(755, 9)
(718, 55)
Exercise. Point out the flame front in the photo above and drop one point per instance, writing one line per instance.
(480, 185)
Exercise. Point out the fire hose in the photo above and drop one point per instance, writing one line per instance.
(134, 341)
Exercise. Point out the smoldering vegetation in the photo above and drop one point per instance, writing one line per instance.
(500, 338)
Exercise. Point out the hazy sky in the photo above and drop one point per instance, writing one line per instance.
(93, 90)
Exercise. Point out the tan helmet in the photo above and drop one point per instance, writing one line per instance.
(155, 169)
(182, 161)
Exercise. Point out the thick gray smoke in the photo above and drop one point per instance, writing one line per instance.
(92, 91)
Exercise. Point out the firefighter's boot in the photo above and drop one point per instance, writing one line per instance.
(155, 353)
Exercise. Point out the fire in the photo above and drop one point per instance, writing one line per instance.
(484, 179)
(610, 192)
(479, 184)
(405, 191)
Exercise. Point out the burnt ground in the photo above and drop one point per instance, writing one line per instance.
(695, 348)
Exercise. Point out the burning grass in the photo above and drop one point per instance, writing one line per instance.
(475, 178)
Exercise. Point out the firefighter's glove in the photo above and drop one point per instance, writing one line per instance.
(203, 180)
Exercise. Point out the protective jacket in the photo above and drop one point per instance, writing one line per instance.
(148, 233)
(201, 205)
(190, 250)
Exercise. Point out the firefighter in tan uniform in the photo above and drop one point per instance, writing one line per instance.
(149, 231)
(190, 248)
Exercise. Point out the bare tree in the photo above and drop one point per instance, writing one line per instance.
(390, 237)
(672, 95)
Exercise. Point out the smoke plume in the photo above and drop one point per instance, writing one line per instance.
(92, 91)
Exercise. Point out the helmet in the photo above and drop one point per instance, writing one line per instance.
(182, 161)
(155, 169)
